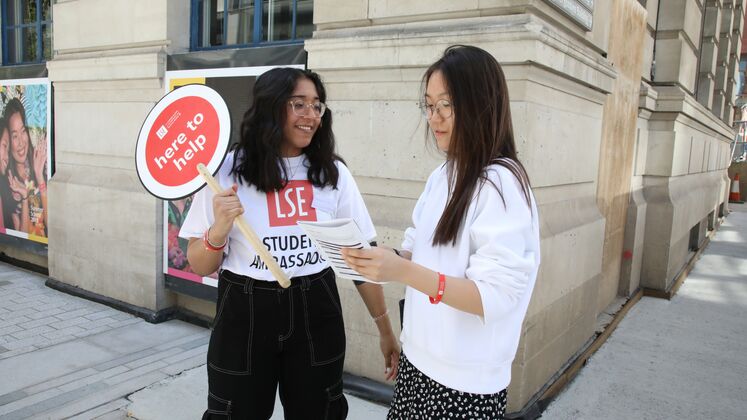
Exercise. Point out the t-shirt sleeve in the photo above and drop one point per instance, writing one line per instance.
(502, 262)
(351, 204)
(200, 215)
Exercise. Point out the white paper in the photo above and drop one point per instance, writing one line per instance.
(333, 235)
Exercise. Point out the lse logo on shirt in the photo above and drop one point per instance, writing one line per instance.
(291, 204)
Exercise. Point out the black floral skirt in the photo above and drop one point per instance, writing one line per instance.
(416, 396)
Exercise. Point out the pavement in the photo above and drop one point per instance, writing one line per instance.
(62, 356)
(684, 358)
(66, 357)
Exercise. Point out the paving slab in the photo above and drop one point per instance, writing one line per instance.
(185, 397)
(679, 359)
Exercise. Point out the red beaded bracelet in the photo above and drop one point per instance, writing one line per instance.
(441, 287)
(211, 247)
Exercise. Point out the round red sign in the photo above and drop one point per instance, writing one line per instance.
(178, 140)
(189, 126)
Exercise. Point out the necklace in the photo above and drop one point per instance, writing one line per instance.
(291, 169)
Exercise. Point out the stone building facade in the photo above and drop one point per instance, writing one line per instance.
(622, 111)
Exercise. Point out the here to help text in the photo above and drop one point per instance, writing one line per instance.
(188, 151)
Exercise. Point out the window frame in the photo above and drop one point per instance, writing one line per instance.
(38, 25)
(195, 27)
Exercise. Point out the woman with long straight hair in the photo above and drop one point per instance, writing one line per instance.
(470, 259)
(283, 170)
(26, 173)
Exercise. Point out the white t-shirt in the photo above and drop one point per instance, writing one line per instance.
(273, 218)
(498, 248)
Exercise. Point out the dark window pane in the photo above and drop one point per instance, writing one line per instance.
(21, 11)
(304, 18)
(46, 10)
(277, 20)
(237, 19)
(240, 22)
(14, 46)
(210, 31)
(47, 41)
(32, 43)
(30, 48)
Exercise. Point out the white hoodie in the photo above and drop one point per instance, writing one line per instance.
(498, 247)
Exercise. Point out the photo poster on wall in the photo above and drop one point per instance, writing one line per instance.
(25, 157)
(235, 86)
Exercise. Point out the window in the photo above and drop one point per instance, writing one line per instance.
(232, 23)
(26, 31)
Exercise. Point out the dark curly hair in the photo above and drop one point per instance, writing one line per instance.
(258, 159)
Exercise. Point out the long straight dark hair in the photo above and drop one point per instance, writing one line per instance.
(258, 160)
(482, 132)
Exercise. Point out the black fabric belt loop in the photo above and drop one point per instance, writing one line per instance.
(249, 286)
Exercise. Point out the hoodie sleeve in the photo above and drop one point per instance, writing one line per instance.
(500, 261)
(408, 243)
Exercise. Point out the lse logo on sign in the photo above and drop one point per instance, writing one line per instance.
(291, 204)
(161, 133)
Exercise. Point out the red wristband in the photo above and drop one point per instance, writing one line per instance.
(211, 247)
(441, 287)
(43, 187)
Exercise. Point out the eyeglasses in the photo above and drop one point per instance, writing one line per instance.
(299, 108)
(442, 108)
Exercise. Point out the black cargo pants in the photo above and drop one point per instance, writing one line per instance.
(264, 336)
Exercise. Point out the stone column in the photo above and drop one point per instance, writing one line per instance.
(105, 233)
(619, 132)
(723, 80)
(677, 39)
(733, 59)
(683, 140)
(709, 53)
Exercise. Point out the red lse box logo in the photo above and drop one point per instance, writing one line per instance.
(291, 204)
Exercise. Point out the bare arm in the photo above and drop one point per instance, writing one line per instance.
(403, 253)
(21, 221)
(226, 208)
(373, 296)
(25, 216)
(380, 264)
(202, 260)
(40, 160)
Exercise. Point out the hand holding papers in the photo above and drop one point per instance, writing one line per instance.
(333, 235)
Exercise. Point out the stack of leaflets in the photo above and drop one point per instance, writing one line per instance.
(330, 237)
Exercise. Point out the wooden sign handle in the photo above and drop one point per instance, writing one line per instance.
(244, 227)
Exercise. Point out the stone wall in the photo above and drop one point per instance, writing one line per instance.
(105, 232)
(624, 129)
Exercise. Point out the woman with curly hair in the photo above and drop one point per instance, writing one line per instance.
(283, 170)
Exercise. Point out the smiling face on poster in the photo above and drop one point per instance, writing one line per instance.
(25, 157)
(188, 126)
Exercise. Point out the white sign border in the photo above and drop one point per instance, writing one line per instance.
(166, 192)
